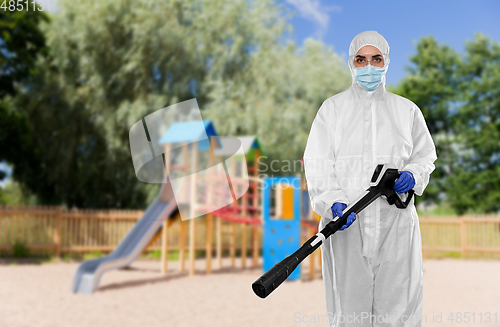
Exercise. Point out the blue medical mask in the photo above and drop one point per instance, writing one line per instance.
(369, 77)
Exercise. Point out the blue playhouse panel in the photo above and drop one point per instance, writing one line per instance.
(281, 236)
(306, 207)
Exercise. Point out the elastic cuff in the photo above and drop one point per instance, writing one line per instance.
(418, 180)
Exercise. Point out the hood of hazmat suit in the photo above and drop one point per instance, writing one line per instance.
(372, 271)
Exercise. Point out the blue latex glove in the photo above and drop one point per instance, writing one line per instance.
(405, 182)
(337, 209)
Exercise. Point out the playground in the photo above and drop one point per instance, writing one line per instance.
(153, 157)
(216, 227)
(211, 200)
(34, 295)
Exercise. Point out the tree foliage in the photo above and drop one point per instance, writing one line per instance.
(113, 62)
(277, 97)
(65, 116)
(21, 41)
(460, 99)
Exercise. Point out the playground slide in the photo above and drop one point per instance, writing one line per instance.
(89, 273)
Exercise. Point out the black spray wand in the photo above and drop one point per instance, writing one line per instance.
(381, 184)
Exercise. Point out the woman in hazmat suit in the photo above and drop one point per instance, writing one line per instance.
(372, 269)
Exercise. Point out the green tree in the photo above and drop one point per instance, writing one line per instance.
(15, 194)
(459, 98)
(476, 181)
(277, 97)
(432, 84)
(21, 41)
(113, 62)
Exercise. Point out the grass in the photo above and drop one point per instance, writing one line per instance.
(23, 253)
(433, 254)
(93, 255)
(445, 210)
(19, 250)
(199, 254)
(441, 210)
(156, 254)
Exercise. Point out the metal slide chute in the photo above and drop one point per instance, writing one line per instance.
(89, 273)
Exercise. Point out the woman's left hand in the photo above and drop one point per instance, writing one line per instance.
(405, 182)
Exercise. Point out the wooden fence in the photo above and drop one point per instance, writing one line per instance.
(56, 231)
(469, 236)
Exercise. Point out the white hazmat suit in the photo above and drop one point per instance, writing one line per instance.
(372, 271)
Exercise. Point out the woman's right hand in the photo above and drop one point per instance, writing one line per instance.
(337, 209)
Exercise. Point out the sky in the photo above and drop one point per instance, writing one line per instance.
(5, 168)
(401, 23)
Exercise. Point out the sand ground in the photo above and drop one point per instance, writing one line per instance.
(40, 296)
